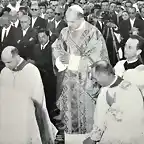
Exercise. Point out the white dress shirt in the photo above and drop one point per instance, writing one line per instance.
(43, 46)
(3, 32)
(33, 21)
(132, 22)
(16, 23)
(25, 31)
(16, 8)
(50, 20)
(57, 23)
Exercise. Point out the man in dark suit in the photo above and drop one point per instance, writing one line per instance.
(43, 60)
(26, 38)
(57, 24)
(7, 35)
(14, 19)
(36, 21)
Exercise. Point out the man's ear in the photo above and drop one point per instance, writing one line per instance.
(139, 51)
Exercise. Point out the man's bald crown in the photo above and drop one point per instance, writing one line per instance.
(9, 52)
(103, 66)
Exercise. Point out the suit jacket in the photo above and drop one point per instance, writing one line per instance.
(10, 40)
(56, 31)
(43, 60)
(97, 24)
(26, 43)
(125, 27)
(39, 23)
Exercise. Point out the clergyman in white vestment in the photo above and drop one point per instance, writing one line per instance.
(21, 89)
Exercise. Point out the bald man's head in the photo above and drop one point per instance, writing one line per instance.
(103, 73)
(25, 22)
(10, 57)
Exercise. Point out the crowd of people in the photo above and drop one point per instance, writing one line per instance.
(71, 67)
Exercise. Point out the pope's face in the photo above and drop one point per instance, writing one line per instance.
(130, 51)
(72, 21)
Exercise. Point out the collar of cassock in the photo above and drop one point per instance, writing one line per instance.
(117, 82)
(21, 66)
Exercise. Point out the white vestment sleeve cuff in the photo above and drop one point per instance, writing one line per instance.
(74, 63)
(60, 65)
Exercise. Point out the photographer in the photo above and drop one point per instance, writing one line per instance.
(109, 18)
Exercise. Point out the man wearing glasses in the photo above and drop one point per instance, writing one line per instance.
(36, 21)
(57, 24)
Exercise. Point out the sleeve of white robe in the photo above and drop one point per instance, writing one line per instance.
(99, 116)
(39, 96)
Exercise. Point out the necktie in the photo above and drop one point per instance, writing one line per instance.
(14, 24)
(5, 35)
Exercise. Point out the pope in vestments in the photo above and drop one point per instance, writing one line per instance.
(78, 46)
(23, 115)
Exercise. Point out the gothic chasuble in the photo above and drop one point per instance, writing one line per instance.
(85, 46)
(119, 115)
(21, 95)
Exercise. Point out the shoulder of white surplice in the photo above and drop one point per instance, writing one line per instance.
(119, 63)
(140, 68)
(32, 69)
(65, 29)
(125, 85)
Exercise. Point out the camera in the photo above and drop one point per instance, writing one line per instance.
(106, 16)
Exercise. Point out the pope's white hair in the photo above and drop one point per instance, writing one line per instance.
(76, 8)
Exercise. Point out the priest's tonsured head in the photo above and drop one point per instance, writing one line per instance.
(10, 57)
(74, 17)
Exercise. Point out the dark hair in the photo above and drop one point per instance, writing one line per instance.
(112, 3)
(140, 41)
(24, 10)
(14, 52)
(105, 1)
(103, 66)
(42, 4)
(118, 3)
(44, 31)
(96, 7)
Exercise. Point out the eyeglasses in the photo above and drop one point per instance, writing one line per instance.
(57, 14)
(34, 9)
